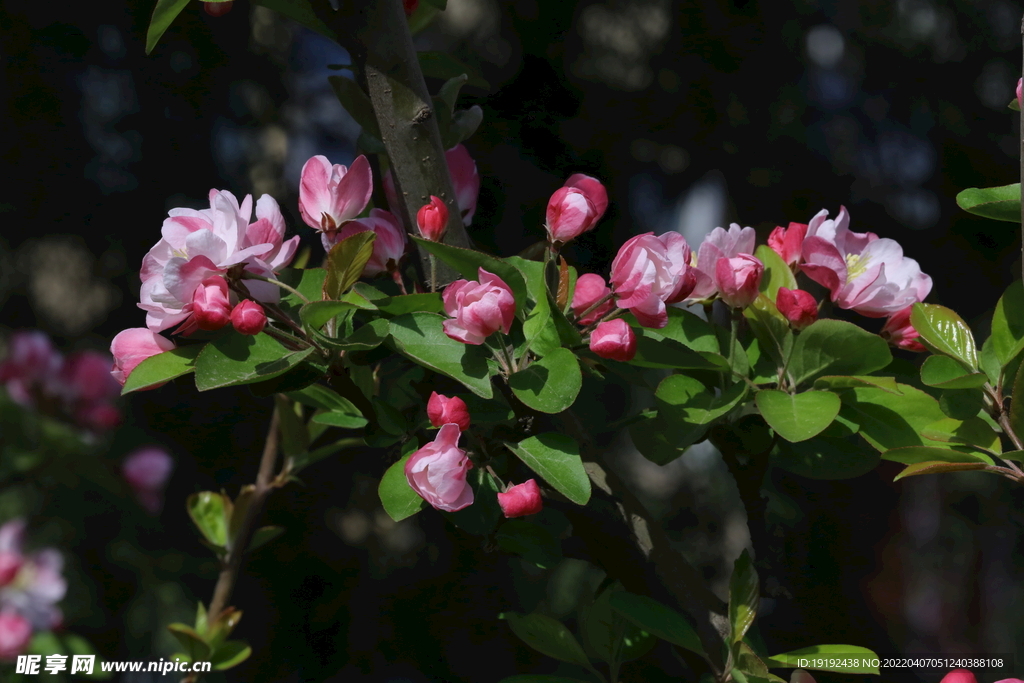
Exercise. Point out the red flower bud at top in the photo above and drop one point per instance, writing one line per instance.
(15, 632)
(788, 242)
(410, 6)
(959, 676)
(594, 190)
(570, 213)
(478, 309)
(132, 346)
(900, 333)
(590, 288)
(738, 279)
(248, 317)
(521, 500)
(614, 339)
(217, 9)
(432, 219)
(210, 304)
(442, 410)
(437, 472)
(798, 307)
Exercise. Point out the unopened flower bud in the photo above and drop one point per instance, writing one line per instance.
(442, 410)
(570, 213)
(521, 500)
(590, 288)
(432, 219)
(248, 317)
(614, 339)
(738, 279)
(218, 9)
(211, 305)
(797, 306)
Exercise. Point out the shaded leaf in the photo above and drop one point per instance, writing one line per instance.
(165, 12)
(420, 337)
(556, 458)
(548, 636)
(657, 619)
(828, 654)
(744, 596)
(397, 497)
(938, 468)
(798, 417)
(550, 384)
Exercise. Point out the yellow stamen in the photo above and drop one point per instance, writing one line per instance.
(856, 265)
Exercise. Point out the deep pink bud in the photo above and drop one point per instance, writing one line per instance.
(613, 339)
(211, 305)
(798, 307)
(443, 410)
(521, 500)
(218, 9)
(594, 190)
(478, 309)
(432, 219)
(590, 288)
(15, 632)
(900, 333)
(737, 279)
(570, 214)
(959, 676)
(10, 563)
(147, 471)
(132, 346)
(788, 242)
(437, 472)
(248, 317)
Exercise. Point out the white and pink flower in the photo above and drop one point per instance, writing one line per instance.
(330, 195)
(478, 308)
(649, 272)
(437, 472)
(38, 584)
(718, 244)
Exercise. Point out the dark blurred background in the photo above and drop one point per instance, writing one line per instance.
(694, 114)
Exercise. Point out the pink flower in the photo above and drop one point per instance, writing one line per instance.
(788, 242)
(465, 181)
(863, 273)
(521, 500)
(86, 375)
(590, 288)
(443, 410)
(800, 676)
(211, 305)
(217, 9)
(797, 306)
(197, 245)
(432, 219)
(38, 586)
(248, 317)
(649, 272)
(900, 333)
(15, 633)
(10, 564)
(569, 214)
(737, 279)
(478, 309)
(132, 346)
(330, 195)
(388, 247)
(719, 244)
(30, 357)
(595, 191)
(147, 470)
(1010, 680)
(613, 339)
(959, 676)
(1020, 98)
(437, 472)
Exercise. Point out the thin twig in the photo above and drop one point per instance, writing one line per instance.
(246, 275)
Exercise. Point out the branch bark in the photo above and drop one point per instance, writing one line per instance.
(376, 34)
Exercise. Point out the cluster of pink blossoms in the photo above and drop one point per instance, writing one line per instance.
(31, 585)
(77, 388)
(437, 472)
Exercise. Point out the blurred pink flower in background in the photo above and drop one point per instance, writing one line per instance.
(147, 470)
(32, 591)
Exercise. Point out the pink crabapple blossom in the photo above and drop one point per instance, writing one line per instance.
(613, 339)
(437, 472)
(863, 272)
(442, 410)
(38, 585)
(147, 470)
(718, 244)
(248, 317)
(132, 346)
(649, 272)
(738, 278)
(797, 306)
(432, 219)
(595, 191)
(569, 214)
(788, 242)
(15, 634)
(330, 195)
(388, 246)
(521, 500)
(478, 309)
(900, 333)
(590, 288)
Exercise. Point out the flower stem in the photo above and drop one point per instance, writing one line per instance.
(594, 306)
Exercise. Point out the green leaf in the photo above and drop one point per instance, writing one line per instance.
(308, 282)
(608, 636)
(685, 327)
(792, 660)
(888, 421)
(397, 497)
(973, 431)
(657, 619)
(962, 404)
(798, 417)
(421, 338)
(947, 373)
(744, 596)
(302, 12)
(825, 458)
(945, 332)
(550, 384)
(345, 262)
(847, 381)
(263, 536)
(1008, 324)
(210, 513)
(533, 541)
(910, 455)
(836, 347)
(481, 518)
(194, 645)
(662, 442)
(556, 458)
(652, 352)
(369, 336)
(776, 272)
(410, 303)
(919, 468)
(319, 396)
(997, 203)
(315, 314)
(294, 435)
(230, 654)
(547, 636)
(771, 329)
(164, 14)
(443, 65)
(751, 665)
(682, 398)
(357, 104)
(235, 359)
(540, 335)
(468, 262)
(464, 123)
(162, 368)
